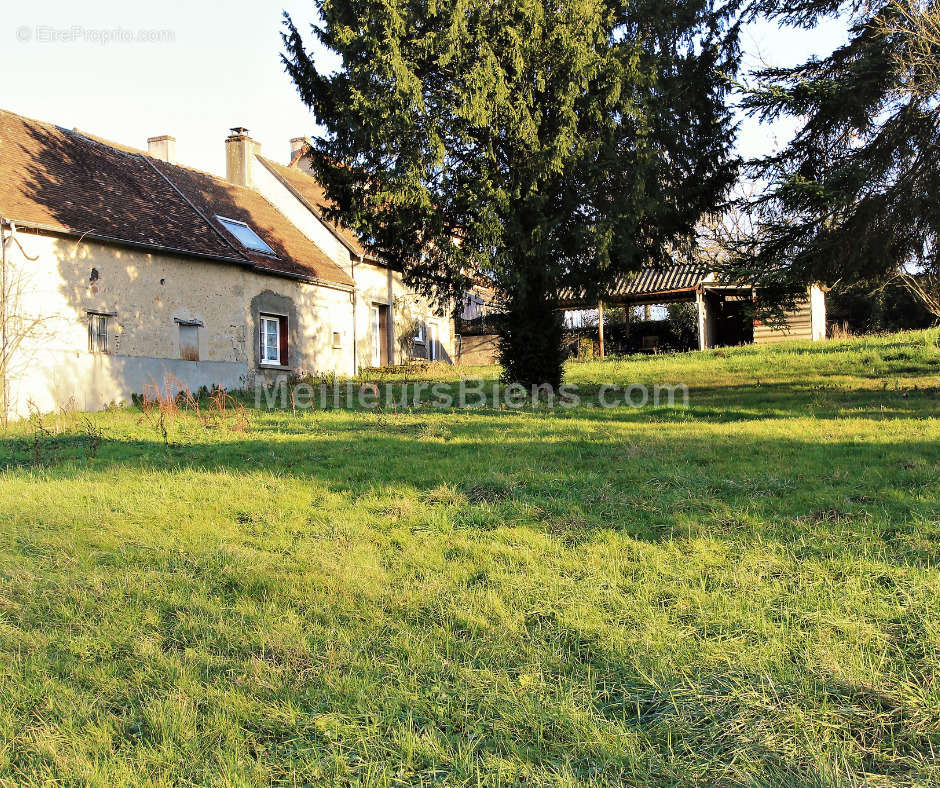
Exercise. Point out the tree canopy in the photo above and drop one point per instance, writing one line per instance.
(854, 196)
(546, 145)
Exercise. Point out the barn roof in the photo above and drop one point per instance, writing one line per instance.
(649, 282)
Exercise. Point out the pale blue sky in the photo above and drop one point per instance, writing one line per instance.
(222, 69)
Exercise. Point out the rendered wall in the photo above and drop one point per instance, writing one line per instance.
(148, 294)
(380, 285)
(300, 216)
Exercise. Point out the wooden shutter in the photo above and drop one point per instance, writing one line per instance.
(283, 337)
(189, 342)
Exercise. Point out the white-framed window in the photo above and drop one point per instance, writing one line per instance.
(337, 339)
(99, 332)
(245, 235)
(273, 340)
(420, 333)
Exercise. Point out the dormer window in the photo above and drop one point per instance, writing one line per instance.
(246, 236)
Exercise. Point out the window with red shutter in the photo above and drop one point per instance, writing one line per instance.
(273, 340)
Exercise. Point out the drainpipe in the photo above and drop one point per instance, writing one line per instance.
(355, 336)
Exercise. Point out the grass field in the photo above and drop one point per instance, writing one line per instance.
(745, 591)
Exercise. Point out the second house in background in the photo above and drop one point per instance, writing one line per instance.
(392, 322)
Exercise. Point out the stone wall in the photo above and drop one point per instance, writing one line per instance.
(146, 297)
(477, 351)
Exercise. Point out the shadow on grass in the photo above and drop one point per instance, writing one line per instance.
(507, 468)
(718, 404)
(821, 497)
(770, 401)
(735, 717)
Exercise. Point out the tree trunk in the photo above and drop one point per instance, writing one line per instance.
(530, 334)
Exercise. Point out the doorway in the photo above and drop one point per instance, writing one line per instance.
(433, 346)
(380, 335)
(733, 321)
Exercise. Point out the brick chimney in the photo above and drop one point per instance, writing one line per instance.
(163, 148)
(296, 145)
(240, 152)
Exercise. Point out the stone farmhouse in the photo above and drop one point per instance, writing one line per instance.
(122, 268)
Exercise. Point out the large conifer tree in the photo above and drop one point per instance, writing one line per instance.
(545, 144)
(856, 195)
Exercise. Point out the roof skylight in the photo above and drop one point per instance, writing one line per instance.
(245, 235)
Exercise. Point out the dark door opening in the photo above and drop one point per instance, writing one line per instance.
(734, 324)
(380, 335)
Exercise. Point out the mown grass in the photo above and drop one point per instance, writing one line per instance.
(743, 592)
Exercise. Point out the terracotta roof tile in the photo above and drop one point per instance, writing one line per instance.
(296, 253)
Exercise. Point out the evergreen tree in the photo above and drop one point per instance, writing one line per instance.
(547, 145)
(855, 196)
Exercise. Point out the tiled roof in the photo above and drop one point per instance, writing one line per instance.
(308, 188)
(650, 281)
(67, 181)
(296, 253)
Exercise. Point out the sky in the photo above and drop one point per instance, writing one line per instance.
(194, 69)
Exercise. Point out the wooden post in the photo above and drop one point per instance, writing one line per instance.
(600, 324)
(701, 308)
